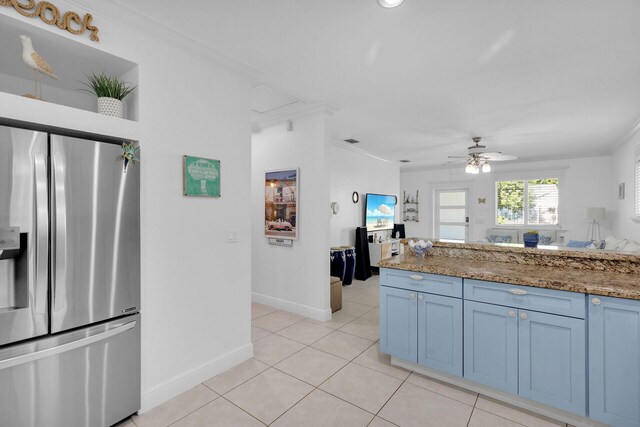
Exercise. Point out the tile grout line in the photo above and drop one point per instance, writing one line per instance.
(310, 346)
(222, 397)
(197, 409)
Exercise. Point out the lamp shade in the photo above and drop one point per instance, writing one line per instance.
(595, 214)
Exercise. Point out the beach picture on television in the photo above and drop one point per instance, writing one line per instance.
(380, 212)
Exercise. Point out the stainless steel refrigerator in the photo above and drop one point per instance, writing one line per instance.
(69, 281)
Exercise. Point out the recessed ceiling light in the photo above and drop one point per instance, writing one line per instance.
(405, 161)
(390, 3)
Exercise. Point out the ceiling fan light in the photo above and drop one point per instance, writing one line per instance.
(476, 169)
(390, 3)
(469, 168)
(486, 168)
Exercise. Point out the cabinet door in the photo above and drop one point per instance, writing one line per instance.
(552, 354)
(399, 323)
(614, 361)
(440, 333)
(491, 345)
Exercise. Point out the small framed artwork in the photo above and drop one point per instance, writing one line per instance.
(200, 177)
(621, 191)
(281, 203)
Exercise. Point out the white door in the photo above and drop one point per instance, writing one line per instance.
(451, 214)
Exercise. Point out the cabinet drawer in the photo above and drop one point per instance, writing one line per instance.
(538, 299)
(422, 282)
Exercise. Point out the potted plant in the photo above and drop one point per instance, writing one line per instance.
(110, 91)
(531, 239)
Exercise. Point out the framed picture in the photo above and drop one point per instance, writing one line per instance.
(200, 177)
(281, 203)
(621, 191)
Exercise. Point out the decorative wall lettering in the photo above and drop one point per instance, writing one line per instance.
(49, 13)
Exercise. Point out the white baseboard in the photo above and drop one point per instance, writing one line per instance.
(181, 383)
(293, 307)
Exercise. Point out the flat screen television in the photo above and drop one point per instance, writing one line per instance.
(379, 212)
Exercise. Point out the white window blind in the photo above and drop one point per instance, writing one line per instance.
(637, 209)
(527, 202)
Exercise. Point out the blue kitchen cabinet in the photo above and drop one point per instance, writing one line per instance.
(552, 362)
(491, 345)
(614, 361)
(398, 323)
(440, 333)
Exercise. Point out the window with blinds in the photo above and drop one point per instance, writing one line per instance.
(637, 209)
(529, 202)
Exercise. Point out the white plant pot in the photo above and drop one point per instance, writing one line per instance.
(110, 107)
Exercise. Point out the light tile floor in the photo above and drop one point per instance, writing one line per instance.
(310, 373)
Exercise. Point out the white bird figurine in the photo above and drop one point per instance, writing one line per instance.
(36, 63)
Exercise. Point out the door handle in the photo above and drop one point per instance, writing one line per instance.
(596, 301)
(511, 313)
(516, 291)
(42, 232)
(420, 297)
(412, 296)
(416, 277)
(83, 342)
(523, 316)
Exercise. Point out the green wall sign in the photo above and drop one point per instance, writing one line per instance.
(201, 177)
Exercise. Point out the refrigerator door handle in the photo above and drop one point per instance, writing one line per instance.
(58, 222)
(83, 342)
(42, 232)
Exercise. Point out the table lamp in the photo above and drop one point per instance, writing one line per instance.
(594, 216)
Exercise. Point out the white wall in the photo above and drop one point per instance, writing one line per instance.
(351, 171)
(195, 286)
(295, 278)
(624, 172)
(584, 182)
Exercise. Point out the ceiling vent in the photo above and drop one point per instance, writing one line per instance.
(405, 161)
(352, 141)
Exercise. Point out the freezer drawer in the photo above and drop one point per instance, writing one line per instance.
(88, 377)
(95, 207)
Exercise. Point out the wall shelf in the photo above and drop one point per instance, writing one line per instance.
(410, 204)
(16, 110)
(72, 61)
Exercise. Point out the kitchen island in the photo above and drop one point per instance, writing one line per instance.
(550, 330)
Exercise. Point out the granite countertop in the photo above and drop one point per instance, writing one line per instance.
(606, 283)
(515, 248)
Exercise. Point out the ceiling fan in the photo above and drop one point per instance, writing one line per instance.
(478, 158)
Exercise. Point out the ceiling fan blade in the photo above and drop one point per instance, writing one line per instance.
(458, 157)
(498, 157)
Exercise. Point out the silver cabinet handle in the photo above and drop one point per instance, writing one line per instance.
(83, 342)
(416, 277)
(511, 313)
(412, 296)
(596, 301)
(516, 291)
(420, 297)
(523, 316)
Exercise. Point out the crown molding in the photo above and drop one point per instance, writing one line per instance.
(346, 146)
(120, 13)
(635, 127)
(292, 112)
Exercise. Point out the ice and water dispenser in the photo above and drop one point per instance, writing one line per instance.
(14, 271)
